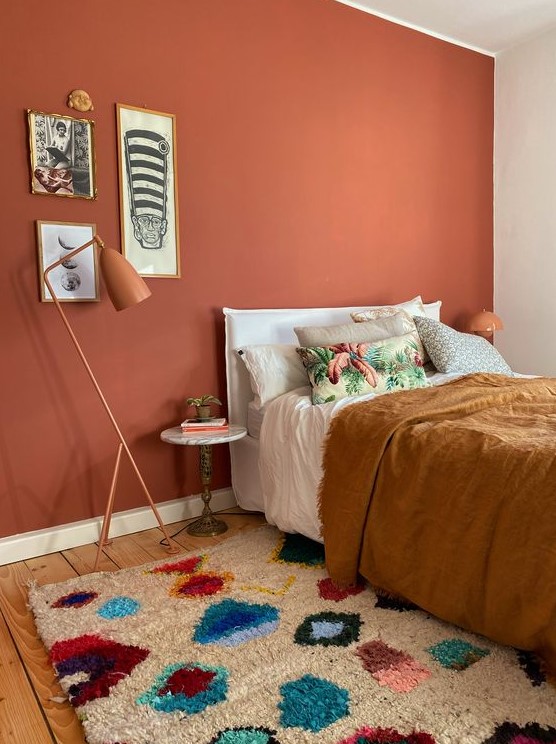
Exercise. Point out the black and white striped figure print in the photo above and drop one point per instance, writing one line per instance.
(146, 157)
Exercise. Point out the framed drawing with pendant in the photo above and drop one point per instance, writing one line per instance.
(148, 190)
(75, 280)
(62, 155)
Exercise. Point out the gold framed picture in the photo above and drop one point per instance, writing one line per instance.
(148, 190)
(62, 155)
(77, 279)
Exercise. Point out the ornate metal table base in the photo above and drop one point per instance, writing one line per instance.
(207, 524)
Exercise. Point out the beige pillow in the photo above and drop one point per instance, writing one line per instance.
(390, 312)
(412, 307)
(356, 333)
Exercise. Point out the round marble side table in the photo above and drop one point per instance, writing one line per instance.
(207, 524)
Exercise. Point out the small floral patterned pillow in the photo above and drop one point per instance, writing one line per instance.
(343, 370)
(453, 351)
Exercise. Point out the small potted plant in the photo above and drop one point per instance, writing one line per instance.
(202, 405)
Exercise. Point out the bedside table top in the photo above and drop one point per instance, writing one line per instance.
(176, 436)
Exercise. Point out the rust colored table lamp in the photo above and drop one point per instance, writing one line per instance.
(125, 288)
(485, 323)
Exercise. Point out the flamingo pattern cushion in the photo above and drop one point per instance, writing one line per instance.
(347, 369)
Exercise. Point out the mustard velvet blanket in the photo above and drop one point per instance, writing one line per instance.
(447, 497)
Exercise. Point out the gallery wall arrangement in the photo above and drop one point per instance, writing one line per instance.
(62, 157)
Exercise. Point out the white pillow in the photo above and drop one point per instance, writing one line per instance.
(432, 309)
(274, 369)
(416, 306)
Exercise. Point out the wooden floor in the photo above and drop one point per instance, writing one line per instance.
(33, 708)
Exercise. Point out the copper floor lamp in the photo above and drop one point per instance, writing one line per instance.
(125, 288)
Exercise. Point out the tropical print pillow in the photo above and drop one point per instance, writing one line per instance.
(342, 370)
(398, 315)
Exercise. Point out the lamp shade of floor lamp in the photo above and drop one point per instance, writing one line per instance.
(485, 323)
(125, 288)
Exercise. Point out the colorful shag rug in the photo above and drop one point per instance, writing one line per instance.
(250, 643)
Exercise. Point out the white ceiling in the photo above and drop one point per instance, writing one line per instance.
(485, 25)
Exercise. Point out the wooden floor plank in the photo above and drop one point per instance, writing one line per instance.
(13, 603)
(126, 553)
(50, 569)
(196, 543)
(82, 559)
(239, 522)
(21, 718)
(236, 523)
(149, 541)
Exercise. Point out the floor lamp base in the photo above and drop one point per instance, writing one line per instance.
(171, 548)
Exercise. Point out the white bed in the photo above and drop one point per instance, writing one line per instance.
(470, 559)
(278, 472)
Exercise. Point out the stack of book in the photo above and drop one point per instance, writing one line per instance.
(195, 425)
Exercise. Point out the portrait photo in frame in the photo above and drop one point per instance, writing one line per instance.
(148, 190)
(77, 279)
(62, 154)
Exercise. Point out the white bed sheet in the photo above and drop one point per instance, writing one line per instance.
(255, 415)
(291, 443)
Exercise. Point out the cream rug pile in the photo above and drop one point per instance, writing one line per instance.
(250, 643)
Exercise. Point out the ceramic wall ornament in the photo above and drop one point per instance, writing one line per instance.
(80, 100)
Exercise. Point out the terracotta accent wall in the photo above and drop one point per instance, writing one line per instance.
(325, 157)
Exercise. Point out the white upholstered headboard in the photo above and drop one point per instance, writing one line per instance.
(273, 326)
(248, 327)
(245, 327)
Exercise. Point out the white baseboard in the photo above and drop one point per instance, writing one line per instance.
(51, 540)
